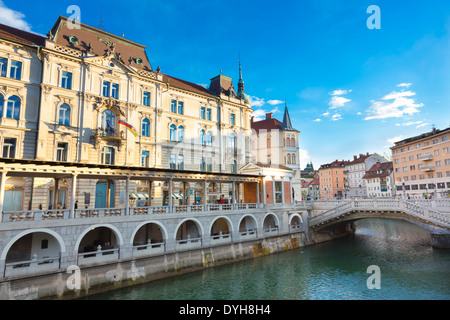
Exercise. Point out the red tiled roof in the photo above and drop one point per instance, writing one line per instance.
(98, 42)
(20, 36)
(186, 85)
(267, 124)
(379, 169)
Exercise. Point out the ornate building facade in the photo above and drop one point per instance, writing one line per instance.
(83, 95)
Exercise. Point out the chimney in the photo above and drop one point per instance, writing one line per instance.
(354, 157)
(269, 115)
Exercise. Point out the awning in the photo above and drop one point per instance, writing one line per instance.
(139, 196)
(177, 196)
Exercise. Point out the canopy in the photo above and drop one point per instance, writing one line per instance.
(139, 196)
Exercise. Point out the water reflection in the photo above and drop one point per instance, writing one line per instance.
(410, 269)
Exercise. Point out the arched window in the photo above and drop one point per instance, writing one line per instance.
(288, 159)
(2, 102)
(64, 115)
(232, 142)
(108, 121)
(209, 138)
(288, 142)
(293, 158)
(172, 133)
(146, 127)
(13, 108)
(202, 137)
(292, 142)
(180, 134)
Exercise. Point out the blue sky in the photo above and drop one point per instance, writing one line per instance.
(349, 89)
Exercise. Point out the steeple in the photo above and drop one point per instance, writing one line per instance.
(286, 125)
(241, 92)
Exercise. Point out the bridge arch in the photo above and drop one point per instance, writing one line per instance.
(221, 224)
(248, 224)
(270, 222)
(56, 240)
(154, 231)
(105, 235)
(188, 228)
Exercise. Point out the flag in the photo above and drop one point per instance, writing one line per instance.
(129, 127)
(109, 127)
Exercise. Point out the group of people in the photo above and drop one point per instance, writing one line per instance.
(58, 206)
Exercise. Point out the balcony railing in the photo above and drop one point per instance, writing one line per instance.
(59, 214)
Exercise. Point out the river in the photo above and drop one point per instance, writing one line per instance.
(409, 268)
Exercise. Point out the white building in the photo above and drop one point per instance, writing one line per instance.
(380, 180)
(355, 185)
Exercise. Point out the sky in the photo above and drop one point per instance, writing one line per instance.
(355, 78)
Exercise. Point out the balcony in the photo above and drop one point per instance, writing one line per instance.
(101, 133)
(428, 168)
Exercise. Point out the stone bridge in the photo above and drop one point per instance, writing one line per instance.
(429, 212)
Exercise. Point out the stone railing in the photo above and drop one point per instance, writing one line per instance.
(40, 215)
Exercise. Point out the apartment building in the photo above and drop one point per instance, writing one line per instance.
(331, 180)
(422, 165)
(379, 180)
(355, 184)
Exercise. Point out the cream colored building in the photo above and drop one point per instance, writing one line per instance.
(422, 165)
(87, 96)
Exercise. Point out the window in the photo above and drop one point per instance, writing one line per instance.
(232, 143)
(180, 107)
(172, 162)
(9, 148)
(278, 192)
(288, 159)
(2, 102)
(146, 99)
(61, 151)
(202, 164)
(208, 114)
(234, 167)
(444, 138)
(208, 138)
(15, 69)
(202, 137)
(288, 142)
(146, 127)
(3, 66)
(203, 112)
(13, 108)
(64, 115)
(292, 142)
(145, 159)
(108, 122)
(172, 133)
(232, 119)
(180, 162)
(108, 155)
(106, 86)
(293, 158)
(66, 80)
(173, 106)
(115, 91)
(180, 134)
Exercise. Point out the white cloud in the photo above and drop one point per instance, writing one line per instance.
(274, 102)
(394, 105)
(339, 92)
(422, 125)
(304, 158)
(410, 123)
(394, 139)
(337, 102)
(256, 102)
(317, 120)
(13, 18)
(404, 85)
(326, 114)
(336, 117)
(259, 115)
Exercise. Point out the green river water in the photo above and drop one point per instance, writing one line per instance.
(337, 270)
